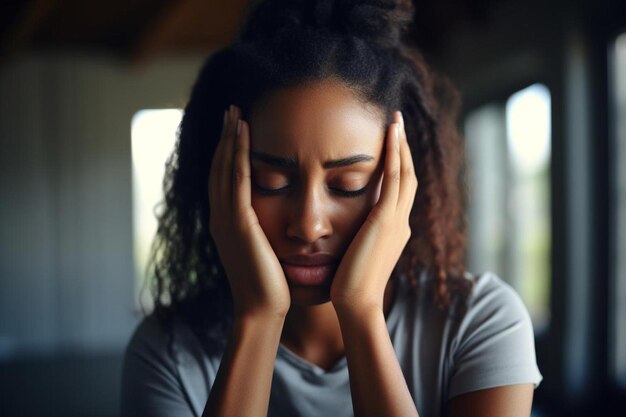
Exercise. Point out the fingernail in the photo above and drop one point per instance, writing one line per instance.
(401, 118)
(238, 127)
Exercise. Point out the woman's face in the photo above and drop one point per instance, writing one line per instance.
(298, 192)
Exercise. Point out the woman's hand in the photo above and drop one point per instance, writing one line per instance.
(367, 265)
(256, 278)
(377, 384)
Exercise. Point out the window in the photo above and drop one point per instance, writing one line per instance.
(618, 290)
(153, 136)
(508, 149)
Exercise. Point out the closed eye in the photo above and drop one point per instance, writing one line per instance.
(350, 193)
(270, 191)
(285, 189)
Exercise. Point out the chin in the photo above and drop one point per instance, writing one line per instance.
(309, 296)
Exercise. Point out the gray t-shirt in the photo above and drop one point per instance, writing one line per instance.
(441, 356)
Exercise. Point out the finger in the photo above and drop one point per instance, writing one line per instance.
(226, 177)
(216, 164)
(391, 176)
(408, 181)
(242, 192)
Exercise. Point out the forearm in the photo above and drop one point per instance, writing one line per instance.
(244, 380)
(376, 381)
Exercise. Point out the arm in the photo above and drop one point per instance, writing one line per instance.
(377, 384)
(246, 369)
(505, 401)
(260, 293)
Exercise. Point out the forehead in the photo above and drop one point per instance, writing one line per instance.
(316, 122)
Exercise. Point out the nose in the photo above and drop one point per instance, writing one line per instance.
(309, 218)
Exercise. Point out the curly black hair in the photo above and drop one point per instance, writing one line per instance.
(287, 43)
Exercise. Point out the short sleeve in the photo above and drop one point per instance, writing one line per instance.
(150, 386)
(494, 345)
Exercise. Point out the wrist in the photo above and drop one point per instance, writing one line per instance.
(357, 311)
(260, 316)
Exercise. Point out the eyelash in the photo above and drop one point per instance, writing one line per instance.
(345, 193)
(278, 191)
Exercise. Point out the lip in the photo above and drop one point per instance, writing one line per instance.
(309, 270)
(314, 259)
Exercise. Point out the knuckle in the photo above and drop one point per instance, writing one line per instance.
(404, 235)
(239, 176)
(395, 175)
(407, 232)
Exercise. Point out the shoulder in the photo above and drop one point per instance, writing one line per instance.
(149, 354)
(481, 299)
(168, 343)
(150, 338)
(491, 306)
(172, 335)
(490, 294)
(149, 373)
(494, 342)
(148, 331)
(165, 367)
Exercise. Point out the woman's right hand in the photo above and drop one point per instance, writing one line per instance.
(256, 278)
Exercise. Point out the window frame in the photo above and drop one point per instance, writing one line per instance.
(616, 388)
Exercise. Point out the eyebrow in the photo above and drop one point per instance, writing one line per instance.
(293, 163)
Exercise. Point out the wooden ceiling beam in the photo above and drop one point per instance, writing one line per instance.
(159, 30)
(21, 34)
(179, 17)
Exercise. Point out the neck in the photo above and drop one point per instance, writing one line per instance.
(313, 332)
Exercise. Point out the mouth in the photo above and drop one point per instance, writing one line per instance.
(310, 269)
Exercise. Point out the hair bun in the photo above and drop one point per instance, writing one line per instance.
(380, 21)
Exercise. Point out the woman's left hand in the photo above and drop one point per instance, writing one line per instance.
(366, 267)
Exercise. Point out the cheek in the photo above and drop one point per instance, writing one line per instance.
(352, 214)
(266, 209)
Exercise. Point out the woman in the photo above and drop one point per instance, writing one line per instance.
(299, 269)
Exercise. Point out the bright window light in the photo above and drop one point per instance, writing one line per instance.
(153, 136)
(528, 128)
(528, 124)
(509, 231)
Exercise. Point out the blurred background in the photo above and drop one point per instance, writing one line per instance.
(91, 94)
